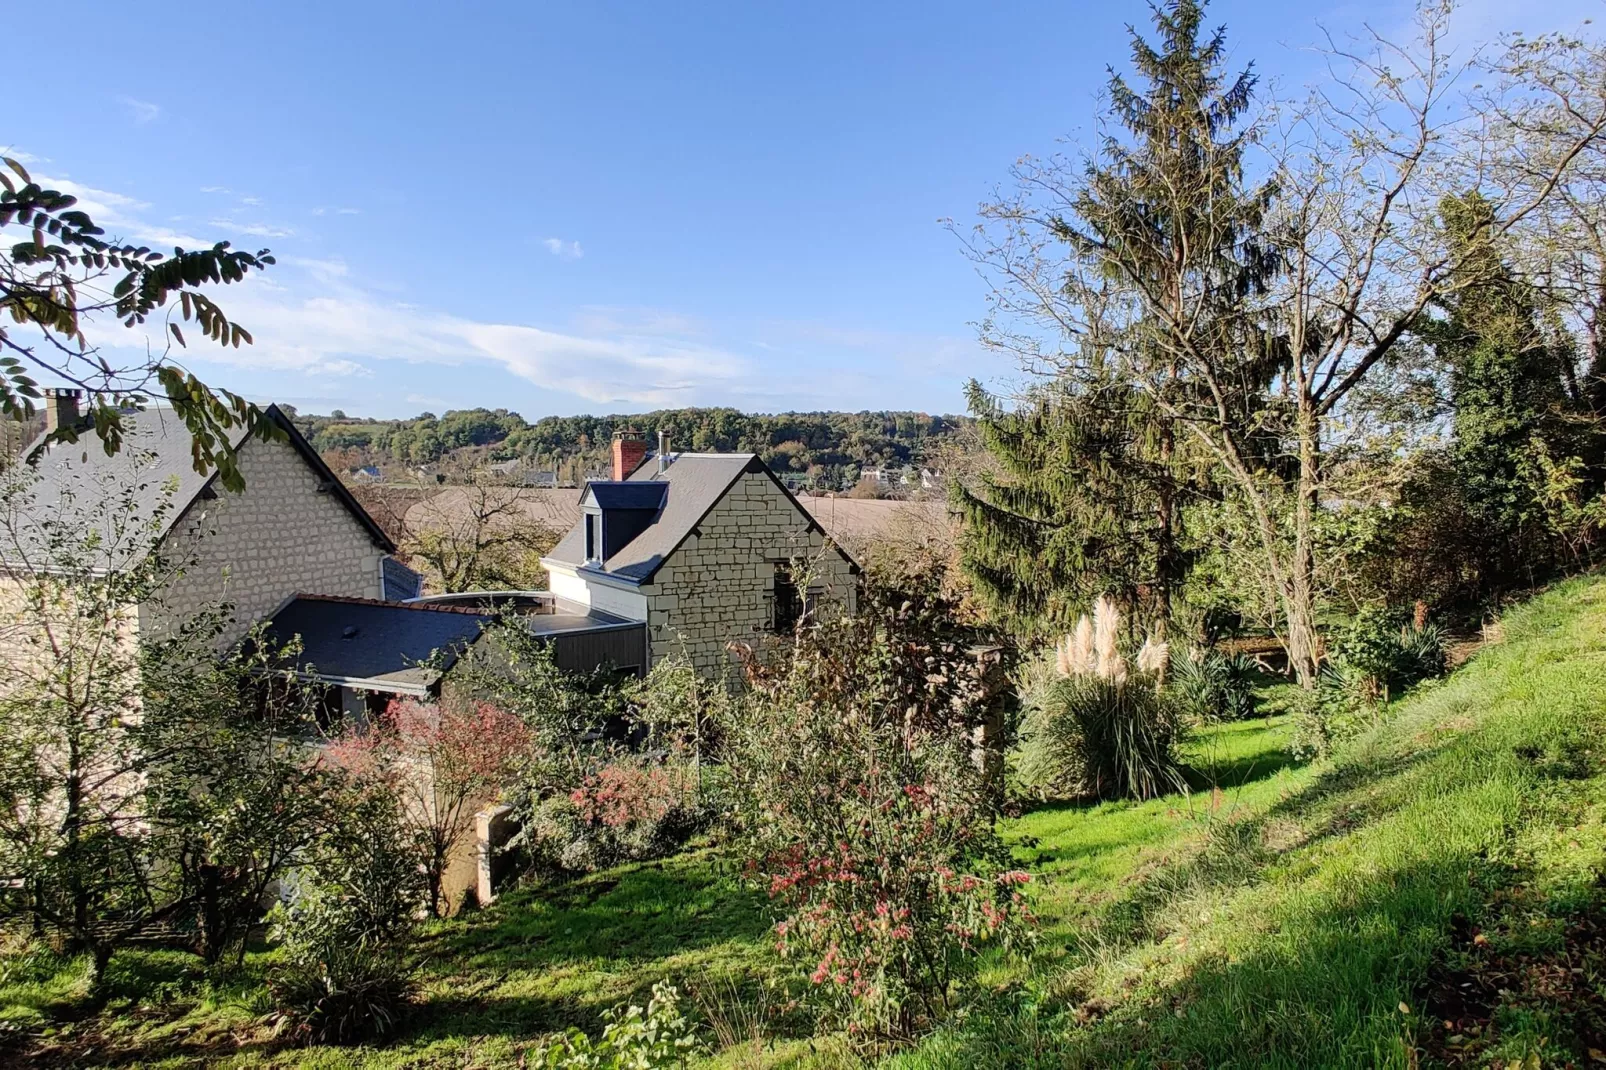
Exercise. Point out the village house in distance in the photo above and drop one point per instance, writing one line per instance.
(704, 548)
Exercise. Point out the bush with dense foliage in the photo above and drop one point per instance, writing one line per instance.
(1212, 686)
(1379, 657)
(633, 808)
(608, 769)
(656, 1037)
(864, 815)
(1386, 652)
(346, 924)
(1097, 725)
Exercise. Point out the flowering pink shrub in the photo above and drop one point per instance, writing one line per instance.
(441, 763)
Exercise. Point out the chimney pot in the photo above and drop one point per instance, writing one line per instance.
(61, 407)
(663, 452)
(629, 450)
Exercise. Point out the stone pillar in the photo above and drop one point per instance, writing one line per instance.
(493, 826)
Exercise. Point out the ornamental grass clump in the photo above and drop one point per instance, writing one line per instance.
(1097, 725)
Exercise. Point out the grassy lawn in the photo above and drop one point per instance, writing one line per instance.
(1442, 869)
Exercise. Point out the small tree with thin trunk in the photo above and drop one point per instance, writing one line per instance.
(443, 762)
(479, 537)
(71, 762)
(146, 780)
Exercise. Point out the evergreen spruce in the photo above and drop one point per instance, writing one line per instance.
(1072, 511)
(1094, 472)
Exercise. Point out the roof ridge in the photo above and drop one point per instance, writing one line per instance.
(352, 600)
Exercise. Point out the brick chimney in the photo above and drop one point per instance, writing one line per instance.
(629, 450)
(61, 408)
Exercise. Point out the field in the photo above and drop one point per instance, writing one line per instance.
(1429, 895)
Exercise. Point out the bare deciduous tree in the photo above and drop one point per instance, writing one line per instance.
(479, 537)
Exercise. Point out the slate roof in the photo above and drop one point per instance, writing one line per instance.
(155, 467)
(696, 483)
(643, 495)
(386, 643)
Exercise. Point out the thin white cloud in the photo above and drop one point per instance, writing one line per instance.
(216, 189)
(120, 215)
(564, 250)
(339, 367)
(256, 230)
(311, 317)
(324, 271)
(613, 320)
(309, 333)
(141, 111)
(251, 200)
(348, 211)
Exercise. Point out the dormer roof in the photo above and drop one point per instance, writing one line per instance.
(637, 496)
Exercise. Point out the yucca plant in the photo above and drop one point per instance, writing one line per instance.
(1098, 725)
(1211, 686)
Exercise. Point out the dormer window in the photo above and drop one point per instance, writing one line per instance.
(615, 513)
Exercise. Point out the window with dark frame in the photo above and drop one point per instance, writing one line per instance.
(787, 604)
(591, 536)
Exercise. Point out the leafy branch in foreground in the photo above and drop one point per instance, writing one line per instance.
(65, 272)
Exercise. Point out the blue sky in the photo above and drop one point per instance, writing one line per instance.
(600, 207)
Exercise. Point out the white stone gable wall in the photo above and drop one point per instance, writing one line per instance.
(717, 587)
(280, 536)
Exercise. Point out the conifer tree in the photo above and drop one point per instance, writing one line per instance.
(1073, 509)
(1513, 394)
(1095, 451)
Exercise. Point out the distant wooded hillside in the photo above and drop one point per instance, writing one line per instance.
(835, 445)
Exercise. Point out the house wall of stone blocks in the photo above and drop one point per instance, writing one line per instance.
(719, 586)
(280, 536)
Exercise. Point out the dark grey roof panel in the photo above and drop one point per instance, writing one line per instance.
(361, 639)
(627, 495)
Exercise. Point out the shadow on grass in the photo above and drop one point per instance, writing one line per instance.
(1327, 992)
(544, 959)
(1241, 770)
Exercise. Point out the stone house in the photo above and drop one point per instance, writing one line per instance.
(704, 548)
(294, 528)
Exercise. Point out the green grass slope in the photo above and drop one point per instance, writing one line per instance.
(1338, 915)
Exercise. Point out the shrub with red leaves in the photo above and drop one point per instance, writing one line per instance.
(870, 827)
(442, 762)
